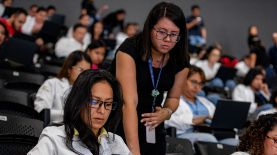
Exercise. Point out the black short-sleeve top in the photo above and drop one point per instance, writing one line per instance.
(143, 76)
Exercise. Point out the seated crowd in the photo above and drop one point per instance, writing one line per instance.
(85, 100)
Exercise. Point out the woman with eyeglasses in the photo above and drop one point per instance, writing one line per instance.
(53, 91)
(260, 137)
(147, 65)
(92, 111)
(193, 109)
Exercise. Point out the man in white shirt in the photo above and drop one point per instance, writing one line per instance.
(66, 45)
(34, 24)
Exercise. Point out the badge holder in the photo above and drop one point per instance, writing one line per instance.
(150, 135)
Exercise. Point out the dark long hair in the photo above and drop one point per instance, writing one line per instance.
(71, 61)
(250, 76)
(253, 139)
(176, 15)
(77, 102)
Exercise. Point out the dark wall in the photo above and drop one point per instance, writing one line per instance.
(226, 21)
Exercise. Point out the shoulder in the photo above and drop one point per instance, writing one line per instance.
(54, 131)
(117, 145)
(203, 99)
(129, 47)
(240, 153)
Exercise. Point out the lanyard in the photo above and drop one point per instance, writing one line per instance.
(155, 91)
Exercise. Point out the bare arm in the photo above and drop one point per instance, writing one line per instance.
(191, 24)
(126, 74)
(171, 102)
(204, 32)
(253, 58)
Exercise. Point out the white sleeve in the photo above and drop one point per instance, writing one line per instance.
(45, 96)
(27, 26)
(44, 147)
(240, 95)
(61, 49)
(180, 119)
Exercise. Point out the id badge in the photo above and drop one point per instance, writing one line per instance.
(150, 135)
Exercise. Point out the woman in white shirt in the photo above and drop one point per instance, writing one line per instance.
(192, 109)
(210, 66)
(53, 91)
(260, 137)
(253, 90)
(95, 101)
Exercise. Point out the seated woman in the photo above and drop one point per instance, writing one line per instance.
(193, 109)
(96, 51)
(260, 137)
(95, 101)
(253, 90)
(53, 91)
(210, 66)
(273, 101)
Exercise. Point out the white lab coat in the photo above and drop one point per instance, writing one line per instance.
(240, 153)
(242, 69)
(245, 94)
(52, 142)
(66, 45)
(181, 119)
(208, 71)
(28, 25)
(51, 95)
(86, 40)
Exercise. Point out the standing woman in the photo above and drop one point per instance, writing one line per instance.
(148, 65)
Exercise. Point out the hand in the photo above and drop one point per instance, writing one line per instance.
(155, 118)
(265, 89)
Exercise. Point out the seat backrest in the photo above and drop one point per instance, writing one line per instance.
(49, 70)
(209, 148)
(180, 146)
(14, 96)
(16, 144)
(14, 125)
(12, 75)
(19, 50)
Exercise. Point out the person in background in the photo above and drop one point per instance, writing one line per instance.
(4, 34)
(96, 51)
(92, 110)
(84, 20)
(272, 52)
(196, 30)
(147, 65)
(243, 66)
(32, 10)
(112, 21)
(51, 10)
(253, 37)
(15, 22)
(260, 138)
(66, 45)
(130, 30)
(51, 95)
(210, 66)
(253, 90)
(97, 30)
(4, 5)
(88, 8)
(273, 101)
(33, 25)
(192, 109)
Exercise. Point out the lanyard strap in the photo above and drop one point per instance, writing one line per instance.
(155, 91)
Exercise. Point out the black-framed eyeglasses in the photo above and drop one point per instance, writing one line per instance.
(108, 105)
(161, 35)
(273, 139)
